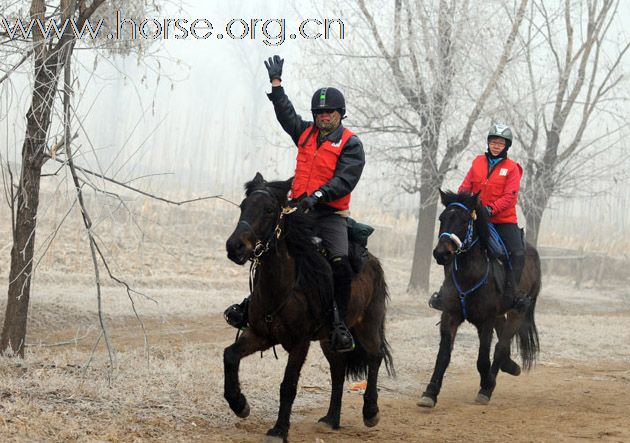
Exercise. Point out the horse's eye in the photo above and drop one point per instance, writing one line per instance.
(269, 210)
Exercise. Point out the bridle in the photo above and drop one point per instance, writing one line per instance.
(462, 247)
(468, 242)
(261, 247)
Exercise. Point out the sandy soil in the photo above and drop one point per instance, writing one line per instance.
(580, 388)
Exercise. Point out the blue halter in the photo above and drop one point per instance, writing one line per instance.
(464, 246)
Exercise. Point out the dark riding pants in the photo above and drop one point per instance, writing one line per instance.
(511, 235)
(333, 230)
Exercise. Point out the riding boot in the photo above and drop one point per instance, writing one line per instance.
(340, 337)
(513, 296)
(238, 315)
(436, 301)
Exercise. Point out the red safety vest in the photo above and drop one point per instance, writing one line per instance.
(316, 166)
(499, 190)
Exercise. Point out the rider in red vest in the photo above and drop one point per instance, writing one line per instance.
(497, 179)
(329, 163)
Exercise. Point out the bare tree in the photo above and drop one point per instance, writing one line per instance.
(48, 58)
(49, 51)
(556, 109)
(420, 86)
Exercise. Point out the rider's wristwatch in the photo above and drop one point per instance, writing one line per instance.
(318, 194)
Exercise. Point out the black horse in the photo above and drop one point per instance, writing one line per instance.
(290, 305)
(472, 290)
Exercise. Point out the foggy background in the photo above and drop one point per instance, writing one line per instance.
(192, 119)
(184, 119)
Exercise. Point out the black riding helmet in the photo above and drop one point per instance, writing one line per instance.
(329, 99)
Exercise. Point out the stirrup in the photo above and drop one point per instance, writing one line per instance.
(521, 303)
(436, 302)
(340, 338)
(236, 315)
(517, 301)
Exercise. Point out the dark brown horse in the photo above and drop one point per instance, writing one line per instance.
(471, 292)
(290, 302)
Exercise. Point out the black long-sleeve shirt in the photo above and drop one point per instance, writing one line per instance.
(351, 160)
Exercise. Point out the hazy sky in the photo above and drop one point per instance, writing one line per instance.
(206, 122)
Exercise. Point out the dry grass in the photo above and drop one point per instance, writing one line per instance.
(174, 391)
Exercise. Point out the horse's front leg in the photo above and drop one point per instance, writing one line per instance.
(288, 389)
(488, 380)
(448, 330)
(247, 344)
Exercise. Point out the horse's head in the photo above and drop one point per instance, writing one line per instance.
(456, 224)
(260, 215)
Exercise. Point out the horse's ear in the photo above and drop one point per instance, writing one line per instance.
(258, 179)
(443, 197)
(256, 183)
(288, 183)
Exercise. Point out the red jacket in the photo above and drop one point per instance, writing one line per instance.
(316, 166)
(499, 190)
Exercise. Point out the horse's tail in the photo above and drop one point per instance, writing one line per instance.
(527, 342)
(358, 360)
(386, 350)
(528, 339)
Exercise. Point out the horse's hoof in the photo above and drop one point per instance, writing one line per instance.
(328, 422)
(274, 436)
(371, 422)
(511, 367)
(244, 413)
(482, 399)
(273, 439)
(426, 402)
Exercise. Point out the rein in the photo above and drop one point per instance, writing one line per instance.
(260, 248)
(463, 247)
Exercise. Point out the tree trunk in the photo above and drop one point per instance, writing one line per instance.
(533, 220)
(14, 330)
(536, 203)
(422, 254)
(37, 123)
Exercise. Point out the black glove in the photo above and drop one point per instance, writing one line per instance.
(489, 211)
(274, 67)
(307, 203)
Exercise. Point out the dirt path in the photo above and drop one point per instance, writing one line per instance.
(555, 402)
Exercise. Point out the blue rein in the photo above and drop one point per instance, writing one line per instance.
(464, 246)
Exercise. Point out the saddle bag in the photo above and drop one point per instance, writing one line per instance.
(358, 234)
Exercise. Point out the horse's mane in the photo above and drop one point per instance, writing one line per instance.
(472, 202)
(279, 189)
(313, 272)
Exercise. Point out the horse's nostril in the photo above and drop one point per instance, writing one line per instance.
(239, 246)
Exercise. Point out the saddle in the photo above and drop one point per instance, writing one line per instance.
(358, 234)
(496, 247)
